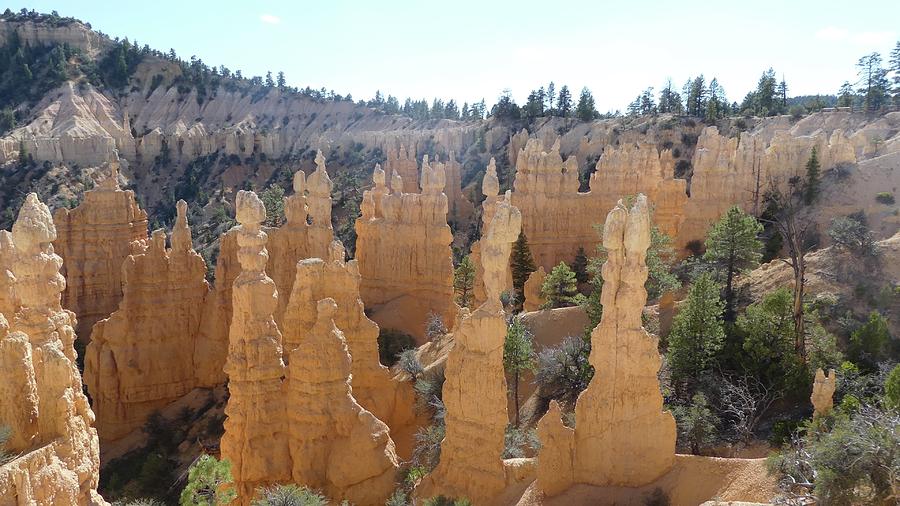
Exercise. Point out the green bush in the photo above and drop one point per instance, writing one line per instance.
(892, 389)
(696, 424)
(209, 483)
(886, 198)
(289, 495)
(391, 343)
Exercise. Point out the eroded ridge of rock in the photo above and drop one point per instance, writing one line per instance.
(490, 187)
(402, 162)
(533, 298)
(403, 249)
(621, 411)
(822, 397)
(556, 218)
(554, 470)
(389, 400)
(475, 394)
(93, 240)
(256, 429)
(41, 398)
(460, 209)
(149, 353)
(306, 234)
(336, 446)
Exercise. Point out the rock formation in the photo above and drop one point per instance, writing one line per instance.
(554, 471)
(402, 162)
(256, 428)
(41, 398)
(336, 446)
(308, 232)
(460, 209)
(533, 299)
(316, 279)
(490, 187)
(822, 397)
(93, 240)
(291, 416)
(403, 249)
(149, 353)
(475, 391)
(620, 412)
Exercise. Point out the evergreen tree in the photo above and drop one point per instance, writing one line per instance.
(280, 81)
(506, 108)
(534, 107)
(767, 328)
(647, 102)
(560, 289)
(518, 355)
(585, 110)
(812, 183)
(697, 331)
(551, 98)
(894, 66)
(464, 282)
(669, 100)
(564, 102)
(661, 260)
(697, 95)
(733, 246)
(873, 81)
(696, 423)
(522, 265)
(269, 81)
(765, 94)
(580, 265)
(869, 343)
(845, 95)
(208, 483)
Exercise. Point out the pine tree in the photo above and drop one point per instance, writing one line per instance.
(845, 95)
(551, 97)
(522, 265)
(564, 102)
(580, 264)
(207, 483)
(560, 289)
(894, 66)
(280, 81)
(733, 246)
(518, 355)
(813, 180)
(464, 282)
(269, 81)
(585, 110)
(873, 81)
(697, 332)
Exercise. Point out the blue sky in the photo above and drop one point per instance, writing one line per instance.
(470, 50)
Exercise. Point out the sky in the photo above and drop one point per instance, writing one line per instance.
(468, 50)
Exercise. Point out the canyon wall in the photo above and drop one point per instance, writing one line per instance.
(149, 353)
(94, 239)
(475, 392)
(403, 250)
(41, 400)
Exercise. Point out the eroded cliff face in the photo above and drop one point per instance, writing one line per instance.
(389, 400)
(94, 239)
(475, 393)
(149, 353)
(291, 415)
(403, 250)
(621, 411)
(41, 398)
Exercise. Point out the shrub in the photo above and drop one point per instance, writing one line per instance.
(289, 495)
(892, 389)
(852, 233)
(5, 435)
(434, 326)
(517, 442)
(563, 371)
(446, 501)
(390, 343)
(868, 344)
(410, 363)
(886, 198)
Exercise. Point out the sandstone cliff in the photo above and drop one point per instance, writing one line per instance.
(41, 398)
(93, 240)
(403, 250)
(148, 353)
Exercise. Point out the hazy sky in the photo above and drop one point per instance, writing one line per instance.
(470, 50)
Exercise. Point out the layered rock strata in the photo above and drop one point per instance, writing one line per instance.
(316, 279)
(41, 400)
(404, 255)
(475, 393)
(336, 446)
(149, 352)
(620, 412)
(93, 240)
